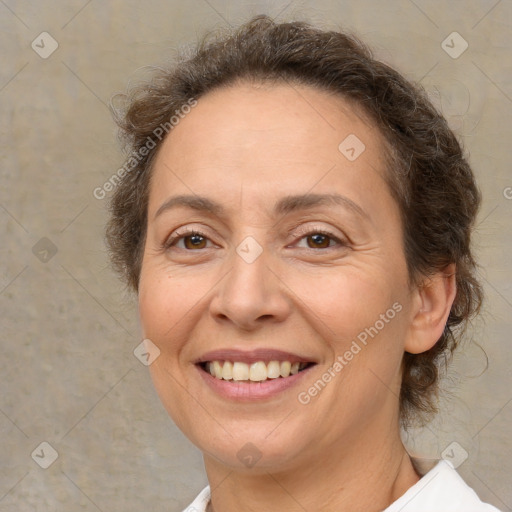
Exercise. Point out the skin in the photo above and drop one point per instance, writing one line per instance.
(246, 147)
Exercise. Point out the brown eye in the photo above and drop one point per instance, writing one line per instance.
(194, 241)
(318, 241)
(188, 240)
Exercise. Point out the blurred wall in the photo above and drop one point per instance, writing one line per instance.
(68, 330)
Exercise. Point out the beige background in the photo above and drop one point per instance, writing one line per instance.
(68, 331)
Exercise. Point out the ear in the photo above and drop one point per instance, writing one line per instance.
(434, 299)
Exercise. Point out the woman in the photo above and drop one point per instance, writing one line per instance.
(295, 218)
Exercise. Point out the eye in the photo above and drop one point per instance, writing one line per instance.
(192, 240)
(321, 239)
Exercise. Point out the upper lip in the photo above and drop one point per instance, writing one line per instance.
(253, 356)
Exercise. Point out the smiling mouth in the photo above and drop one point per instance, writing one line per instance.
(258, 371)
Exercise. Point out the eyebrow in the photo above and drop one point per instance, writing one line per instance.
(285, 205)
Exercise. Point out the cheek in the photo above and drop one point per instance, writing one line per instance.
(363, 317)
(163, 299)
(163, 305)
(152, 304)
(171, 304)
(346, 300)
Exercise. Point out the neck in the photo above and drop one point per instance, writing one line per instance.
(366, 473)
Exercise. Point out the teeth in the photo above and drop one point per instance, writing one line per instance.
(240, 371)
(217, 368)
(258, 371)
(285, 368)
(227, 370)
(273, 370)
(255, 372)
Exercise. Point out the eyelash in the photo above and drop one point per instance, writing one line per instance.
(180, 235)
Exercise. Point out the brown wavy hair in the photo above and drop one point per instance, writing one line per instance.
(428, 174)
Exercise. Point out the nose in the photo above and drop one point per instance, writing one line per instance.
(251, 294)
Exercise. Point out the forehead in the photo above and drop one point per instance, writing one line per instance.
(269, 114)
(269, 138)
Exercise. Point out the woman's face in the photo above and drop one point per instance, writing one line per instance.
(299, 260)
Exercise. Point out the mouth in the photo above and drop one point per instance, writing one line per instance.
(257, 371)
(260, 374)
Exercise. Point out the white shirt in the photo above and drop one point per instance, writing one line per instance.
(441, 489)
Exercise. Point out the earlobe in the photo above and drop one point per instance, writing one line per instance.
(435, 297)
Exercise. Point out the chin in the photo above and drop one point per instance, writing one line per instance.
(255, 445)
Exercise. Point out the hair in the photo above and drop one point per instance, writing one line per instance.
(427, 172)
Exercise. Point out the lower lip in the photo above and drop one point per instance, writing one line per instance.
(246, 392)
